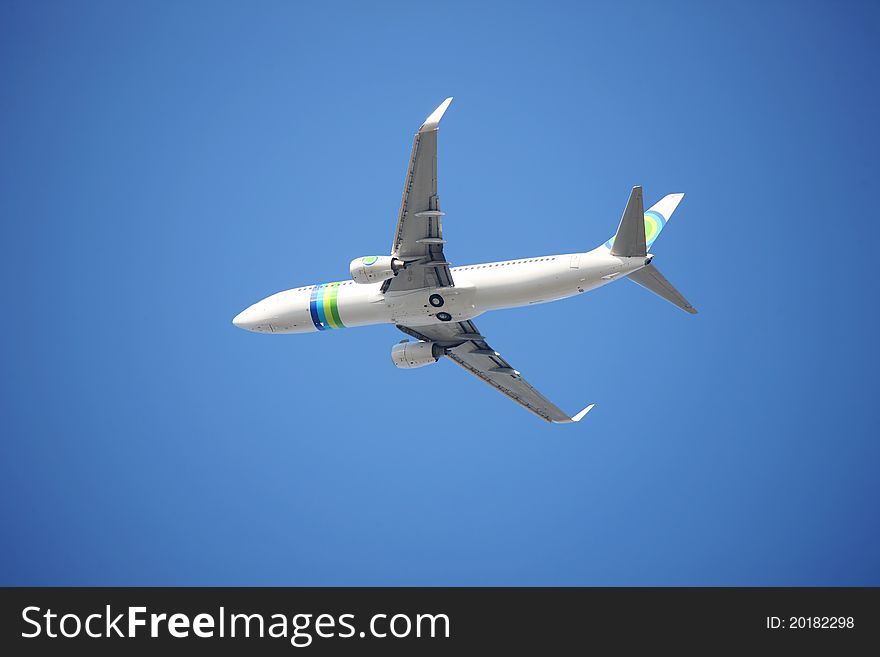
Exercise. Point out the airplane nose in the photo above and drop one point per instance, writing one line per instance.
(259, 317)
(256, 318)
(241, 320)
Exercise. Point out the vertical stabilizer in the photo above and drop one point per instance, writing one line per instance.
(655, 218)
(630, 241)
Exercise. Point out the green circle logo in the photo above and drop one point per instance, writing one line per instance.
(369, 260)
(651, 228)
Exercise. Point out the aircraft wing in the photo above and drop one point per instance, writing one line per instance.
(468, 349)
(418, 239)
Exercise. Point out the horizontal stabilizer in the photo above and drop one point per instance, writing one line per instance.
(630, 241)
(650, 278)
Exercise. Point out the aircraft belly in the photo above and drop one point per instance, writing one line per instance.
(426, 306)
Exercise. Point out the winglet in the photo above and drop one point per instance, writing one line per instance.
(433, 121)
(576, 418)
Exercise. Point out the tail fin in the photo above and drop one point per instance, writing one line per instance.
(655, 219)
(650, 278)
(630, 238)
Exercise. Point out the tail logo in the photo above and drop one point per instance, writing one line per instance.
(654, 223)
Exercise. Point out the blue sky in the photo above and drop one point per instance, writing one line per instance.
(164, 165)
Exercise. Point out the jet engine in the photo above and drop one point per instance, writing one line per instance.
(374, 269)
(409, 355)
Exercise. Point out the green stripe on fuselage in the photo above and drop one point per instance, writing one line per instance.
(334, 305)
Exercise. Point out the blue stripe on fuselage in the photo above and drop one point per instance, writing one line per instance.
(314, 309)
(319, 305)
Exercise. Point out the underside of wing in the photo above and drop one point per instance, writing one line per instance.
(468, 349)
(418, 238)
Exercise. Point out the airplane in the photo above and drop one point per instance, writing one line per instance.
(417, 290)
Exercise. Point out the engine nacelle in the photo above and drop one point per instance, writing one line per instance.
(409, 355)
(374, 269)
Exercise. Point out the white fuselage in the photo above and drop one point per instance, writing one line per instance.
(478, 288)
